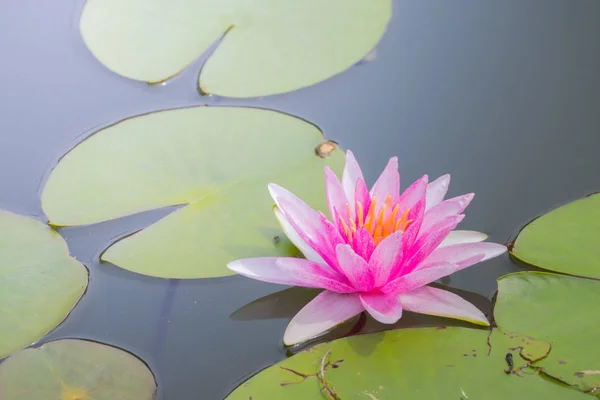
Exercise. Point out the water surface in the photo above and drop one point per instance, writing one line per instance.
(503, 95)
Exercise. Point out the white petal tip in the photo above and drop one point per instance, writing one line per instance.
(497, 251)
(273, 191)
(458, 237)
(384, 319)
(294, 335)
(235, 266)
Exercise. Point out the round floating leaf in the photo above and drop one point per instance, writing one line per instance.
(425, 363)
(267, 46)
(564, 240)
(559, 309)
(218, 161)
(75, 370)
(39, 282)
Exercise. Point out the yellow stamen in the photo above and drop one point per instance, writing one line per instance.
(403, 222)
(379, 227)
(351, 217)
(397, 226)
(393, 218)
(371, 216)
(387, 223)
(388, 201)
(344, 225)
(360, 212)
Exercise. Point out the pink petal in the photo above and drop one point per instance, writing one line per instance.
(355, 267)
(388, 183)
(422, 277)
(416, 215)
(324, 312)
(433, 301)
(291, 233)
(413, 194)
(336, 198)
(426, 243)
(352, 173)
(444, 209)
(362, 195)
(278, 192)
(363, 243)
(265, 269)
(386, 256)
(312, 275)
(384, 308)
(436, 190)
(312, 227)
(443, 262)
(457, 237)
(461, 254)
(337, 222)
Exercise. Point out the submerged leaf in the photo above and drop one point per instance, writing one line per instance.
(267, 46)
(75, 370)
(39, 282)
(426, 363)
(564, 240)
(215, 160)
(558, 309)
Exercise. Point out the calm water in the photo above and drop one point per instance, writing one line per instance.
(503, 95)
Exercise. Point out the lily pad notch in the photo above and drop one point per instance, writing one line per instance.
(216, 161)
(266, 47)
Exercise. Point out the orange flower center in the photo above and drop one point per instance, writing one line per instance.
(380, 224)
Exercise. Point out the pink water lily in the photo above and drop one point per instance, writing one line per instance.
(378, 253)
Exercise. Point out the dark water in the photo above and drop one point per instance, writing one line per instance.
(505, 95)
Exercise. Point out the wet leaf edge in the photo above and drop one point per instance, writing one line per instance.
(68, 257)
(541, 369)
(33, 347)
(518, 260)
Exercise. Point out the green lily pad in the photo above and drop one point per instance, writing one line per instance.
(216, 160)
(559, 309)
(424, 363)
(39, 282)
(73, 369)
(267, 46)
(564, 240)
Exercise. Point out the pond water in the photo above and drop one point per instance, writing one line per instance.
(503, 95)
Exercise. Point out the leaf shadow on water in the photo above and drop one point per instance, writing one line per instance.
(286, 303)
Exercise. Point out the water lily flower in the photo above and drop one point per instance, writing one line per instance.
(378, 252)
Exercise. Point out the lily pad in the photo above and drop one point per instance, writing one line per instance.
(564, 240)
(559, 309)
(266, 46)
(73, 369)
(39, 282)
(215, 160)
(424, 363)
